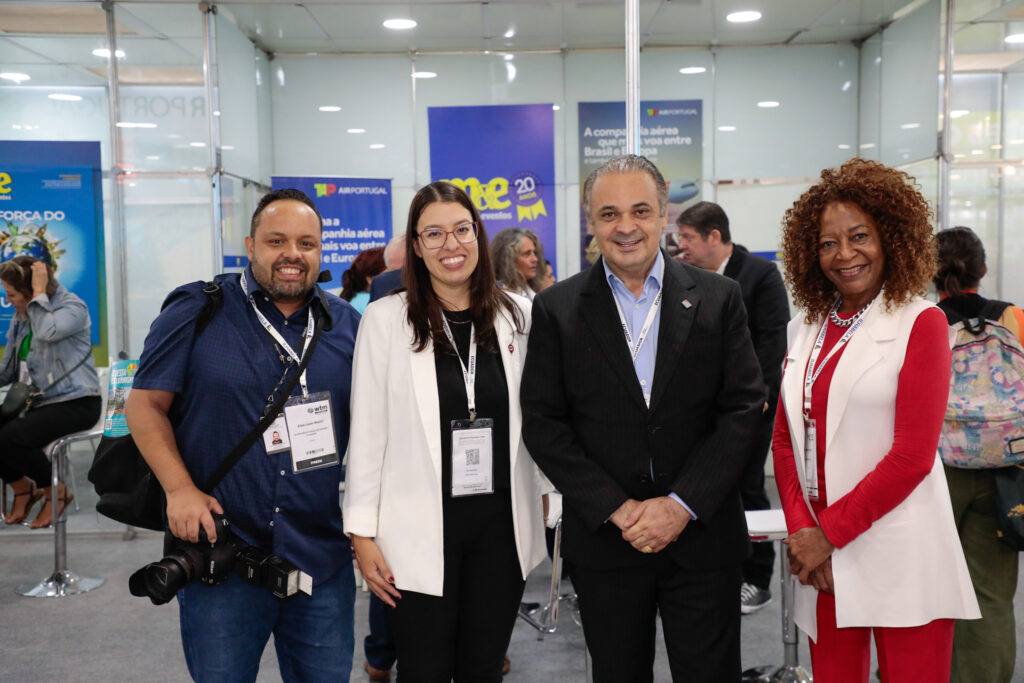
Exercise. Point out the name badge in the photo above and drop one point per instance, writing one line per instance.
(811, 458)
(275, 439)
(472, 457)
(311, 432)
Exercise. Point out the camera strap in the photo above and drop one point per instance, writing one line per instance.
(270, 415)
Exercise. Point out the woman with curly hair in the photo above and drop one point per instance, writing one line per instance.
(872, 538)
(516, 253)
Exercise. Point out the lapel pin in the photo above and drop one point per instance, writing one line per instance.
(686, 303)
(511, 348)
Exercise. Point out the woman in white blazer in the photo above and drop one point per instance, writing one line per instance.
(872, 538)
(442, 500)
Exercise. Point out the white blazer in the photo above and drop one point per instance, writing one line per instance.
(908, 568)
(393, 482)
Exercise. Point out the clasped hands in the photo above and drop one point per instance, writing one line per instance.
(651, 524)
(810, 558)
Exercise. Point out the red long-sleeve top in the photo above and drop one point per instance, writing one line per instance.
(921, 396)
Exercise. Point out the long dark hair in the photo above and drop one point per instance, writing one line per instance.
(961, 261)
(367, 264)
(485, 297)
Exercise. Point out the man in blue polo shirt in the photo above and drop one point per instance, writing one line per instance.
(196, 396)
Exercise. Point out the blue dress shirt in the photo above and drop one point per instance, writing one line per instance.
(222, 379)
(635, 310)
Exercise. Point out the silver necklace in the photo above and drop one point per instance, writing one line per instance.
(833, 314)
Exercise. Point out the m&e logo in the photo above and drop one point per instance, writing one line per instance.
(5, 185)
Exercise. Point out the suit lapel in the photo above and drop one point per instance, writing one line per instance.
(424, 380)
(510, 362)
(598, 310)
(677, 318)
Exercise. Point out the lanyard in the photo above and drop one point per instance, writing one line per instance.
(634, 349)
(280, 340)
(812, 374)
(468, 374)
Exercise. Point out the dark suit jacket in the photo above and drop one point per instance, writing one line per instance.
(384, 283)
(764, 297)
(586, 424)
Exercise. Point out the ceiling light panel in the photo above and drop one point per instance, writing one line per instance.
(76, 20)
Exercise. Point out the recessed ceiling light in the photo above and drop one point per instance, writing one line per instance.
(555, 107)
(1014, 38)
(957, 113)
(14, 76)
(174, 136)
(1017, 142)
(509, 57)
(767, 104)
(64, 97)
(424, 74)
(909, 126)
(132, 124)
(976, 152)
(995, 146)
(216, 112)
(959, 155)
(844, 147)
(356, 131)
(868, 145)
(377, 145)
(105, 53)
(399, 24)
(846, 86)
(955, 176)
(692, 70)
(330, 107)
(197, 144)
(743, 17)
(153, 157)
(1010, 170)
(510, 32)
(727, 129)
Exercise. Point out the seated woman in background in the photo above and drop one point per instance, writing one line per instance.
(516, 253)
(984, 650)
(442, 500)
(355, 282)
(864, 393)
(48, 346)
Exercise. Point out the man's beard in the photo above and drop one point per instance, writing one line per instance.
(282, 291)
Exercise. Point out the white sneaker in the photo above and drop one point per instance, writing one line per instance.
(753, 598)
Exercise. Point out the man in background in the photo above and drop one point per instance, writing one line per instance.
(705, 241)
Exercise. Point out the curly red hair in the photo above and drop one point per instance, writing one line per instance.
(899, 210)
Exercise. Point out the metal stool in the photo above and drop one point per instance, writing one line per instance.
(766, 526)
(62, 582)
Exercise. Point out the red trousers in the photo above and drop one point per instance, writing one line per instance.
(843, 655)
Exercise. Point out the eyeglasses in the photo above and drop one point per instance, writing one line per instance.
(434, 238)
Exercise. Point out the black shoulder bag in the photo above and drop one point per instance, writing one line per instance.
(20, 396)
(129, 491)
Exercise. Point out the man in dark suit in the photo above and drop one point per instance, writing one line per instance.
(705, 241)
(641, 394)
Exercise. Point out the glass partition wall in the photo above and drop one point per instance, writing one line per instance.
(201, 104)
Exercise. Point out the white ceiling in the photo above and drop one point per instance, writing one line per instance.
(165, 38)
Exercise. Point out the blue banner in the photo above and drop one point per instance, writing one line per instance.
(671, 136)
(357, 216)
(51, 208)
(503, 156)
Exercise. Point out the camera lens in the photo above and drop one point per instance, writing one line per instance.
(160, 581)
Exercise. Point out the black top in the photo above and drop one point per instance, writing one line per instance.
(491, 400)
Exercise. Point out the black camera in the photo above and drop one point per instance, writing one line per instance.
(211, 563)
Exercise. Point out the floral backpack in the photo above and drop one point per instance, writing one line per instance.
(984, 423)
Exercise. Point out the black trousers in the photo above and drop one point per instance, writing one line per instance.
(463, 635)
(757, 569)
(700, 617)
(22, 439)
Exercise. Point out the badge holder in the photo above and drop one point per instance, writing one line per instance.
(310, 423)
(472, 457)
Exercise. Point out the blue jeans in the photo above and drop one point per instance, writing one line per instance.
(225, 628)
